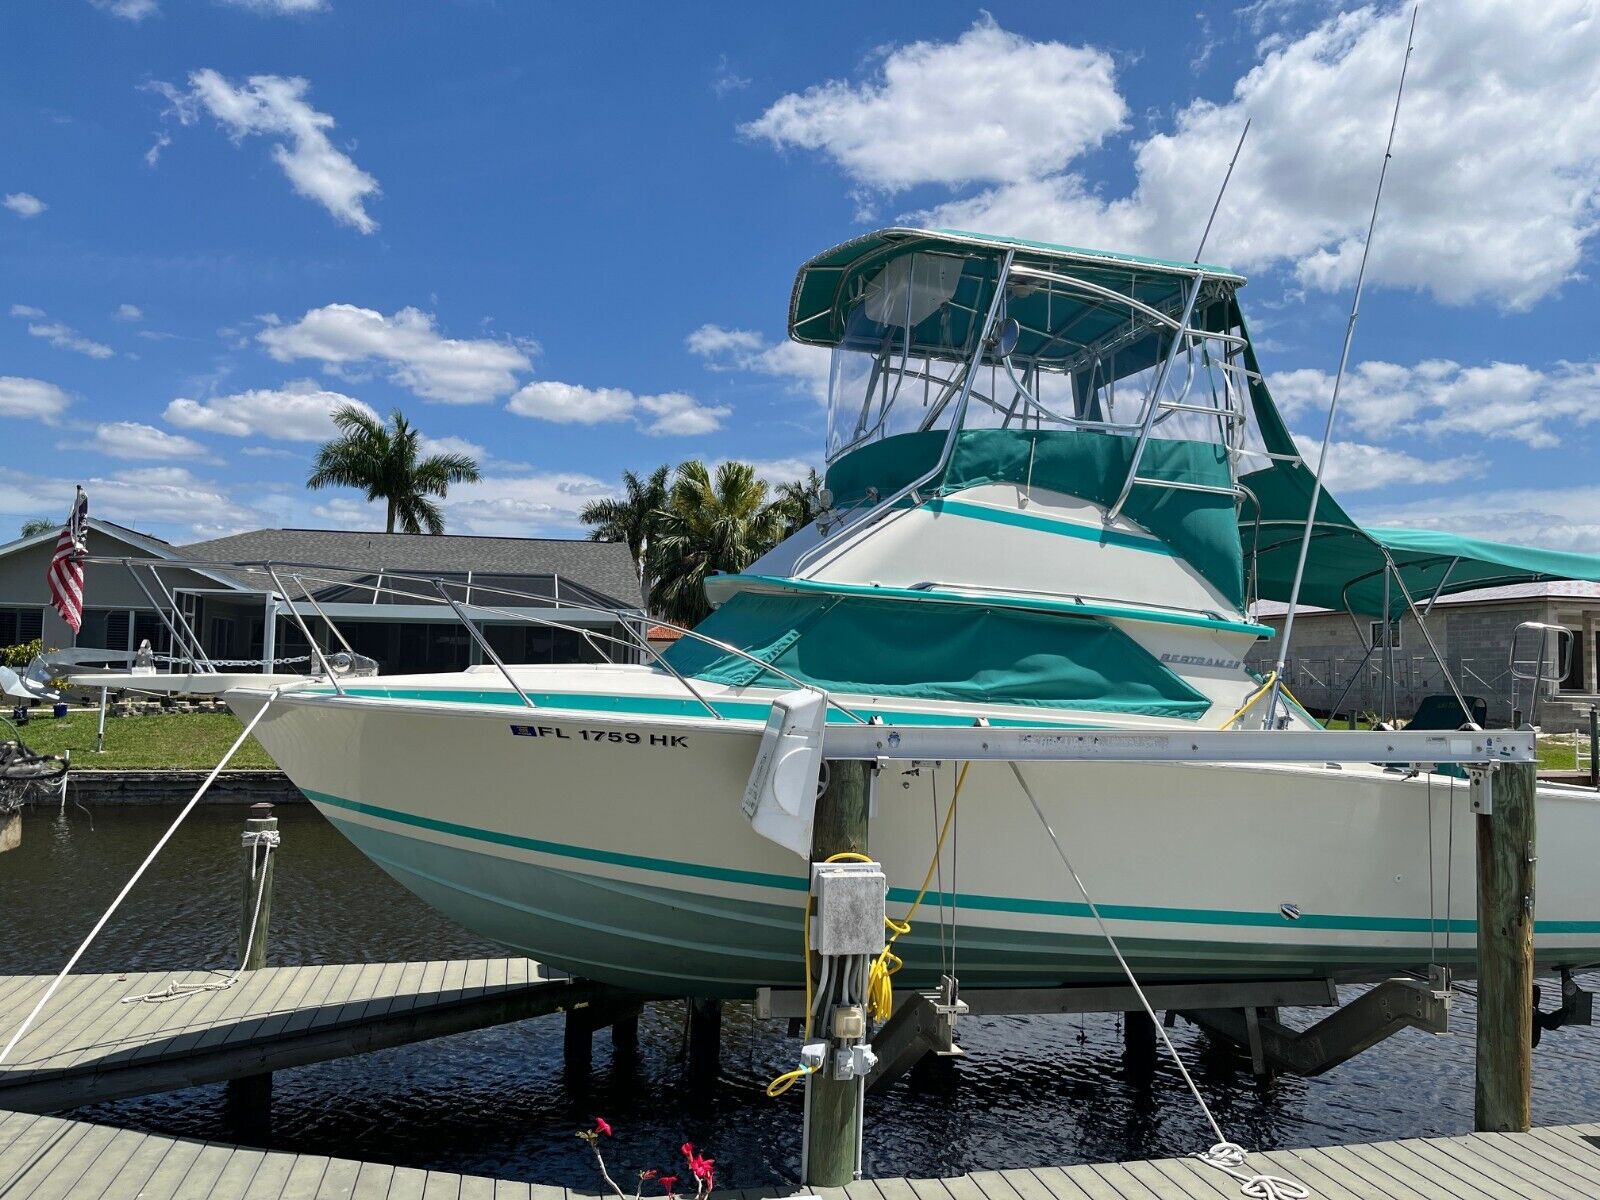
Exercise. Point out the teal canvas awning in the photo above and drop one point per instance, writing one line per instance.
(934, 651)
(1346, 562)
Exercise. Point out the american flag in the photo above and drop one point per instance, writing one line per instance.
(66, 564)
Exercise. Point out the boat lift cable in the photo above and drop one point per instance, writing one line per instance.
(1224, 1155)
(1338, 381)
(138, 874)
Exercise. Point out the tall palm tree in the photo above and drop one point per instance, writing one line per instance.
(634, 517)
(39, 525)
(382, 461)
(801, 500)
(710, 523)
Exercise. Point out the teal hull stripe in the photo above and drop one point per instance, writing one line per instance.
(1023, 520)
(659, 706)
(1013, 904)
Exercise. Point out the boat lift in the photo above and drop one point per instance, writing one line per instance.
(781, 797)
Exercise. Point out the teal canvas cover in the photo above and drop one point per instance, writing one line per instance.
(1346, 562)
(1199, 527)
(935, 651)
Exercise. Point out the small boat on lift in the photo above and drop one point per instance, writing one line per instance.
(1055, 483)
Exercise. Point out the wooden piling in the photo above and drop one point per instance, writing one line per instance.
(255, 915)
(833, 1137)
(705, 1038)
(1505, 952)
(248, 1099)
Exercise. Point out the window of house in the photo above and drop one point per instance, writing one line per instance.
(1376, 634)
(18, 625)
(1576, 679)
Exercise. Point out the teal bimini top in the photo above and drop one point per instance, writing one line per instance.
(907, 648)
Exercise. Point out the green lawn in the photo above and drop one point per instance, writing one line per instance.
(178, 740)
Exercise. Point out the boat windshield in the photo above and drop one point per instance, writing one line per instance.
(1070, 347)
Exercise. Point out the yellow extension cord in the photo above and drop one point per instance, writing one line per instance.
(880, 990)
(1256, 695)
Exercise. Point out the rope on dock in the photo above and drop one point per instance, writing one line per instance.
(1225, 1155)
(269, 840)
(136, 876)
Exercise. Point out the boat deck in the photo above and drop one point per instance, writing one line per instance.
(93, 1043)
(46, 1157)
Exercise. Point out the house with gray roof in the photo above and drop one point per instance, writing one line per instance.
(253, 597)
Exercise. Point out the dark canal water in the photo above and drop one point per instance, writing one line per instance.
(1032, 1091)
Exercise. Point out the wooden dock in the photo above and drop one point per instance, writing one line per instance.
(48, 1158)
(92, 1043)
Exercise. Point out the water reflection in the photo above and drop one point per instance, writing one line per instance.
(1031, 1091)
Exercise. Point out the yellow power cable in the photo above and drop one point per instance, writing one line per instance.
(880, 991)
(1254, 696)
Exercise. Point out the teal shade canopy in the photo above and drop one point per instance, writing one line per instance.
(935, 651)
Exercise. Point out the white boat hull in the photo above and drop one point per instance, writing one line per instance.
(610, 844)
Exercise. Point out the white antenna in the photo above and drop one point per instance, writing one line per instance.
(1333, 403)
(1222, 191)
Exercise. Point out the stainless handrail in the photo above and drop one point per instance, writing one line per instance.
(340, 576)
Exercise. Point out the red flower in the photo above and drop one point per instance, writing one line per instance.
(688, 1149)
(601, 1125)
(650, 1174)
(667, 1182)
(701, 1168)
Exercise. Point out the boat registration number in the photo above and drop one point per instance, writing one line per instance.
(616, 737)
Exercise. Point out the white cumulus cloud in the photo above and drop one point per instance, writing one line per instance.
(671, 413)
(452, 370)
(1437, 397)
(802, 368)
(131, 439)
(26, 310)
(523, 504)
(128, 10)
(24, 205)
(279, 8)
(62, 336)
(128, 312)
(276, 106)
(1555, 517)
(299, 411)
(988, 106)
(1492, 192)
(23, 397)
(1363, 467)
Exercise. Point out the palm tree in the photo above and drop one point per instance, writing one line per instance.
(633, 518)
(39, 525)
(720, 523)
(382, 461)
(801, 500)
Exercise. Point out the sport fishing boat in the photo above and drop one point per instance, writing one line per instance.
(1055, 484)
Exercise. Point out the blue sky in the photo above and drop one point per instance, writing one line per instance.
(564, 235)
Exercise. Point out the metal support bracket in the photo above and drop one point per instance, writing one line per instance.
(1377, 1014)
(1482, 788)
(1577, 1008)
(920, 1026)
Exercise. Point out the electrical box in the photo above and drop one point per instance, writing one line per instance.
(848, 909)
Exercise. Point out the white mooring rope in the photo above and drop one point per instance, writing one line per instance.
(269, 839)
(55, 984)
(1224, 1155)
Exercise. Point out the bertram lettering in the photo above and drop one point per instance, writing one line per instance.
(1200, 660)
(617, 737)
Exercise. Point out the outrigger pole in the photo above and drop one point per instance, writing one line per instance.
(1333, 403)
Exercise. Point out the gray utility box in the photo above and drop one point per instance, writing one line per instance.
(848, 909)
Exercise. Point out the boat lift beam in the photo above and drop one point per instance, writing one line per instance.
(928, 743)
(1376, 1014)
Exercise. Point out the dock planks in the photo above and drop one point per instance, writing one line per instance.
(90, 1045)
(49, 1158)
